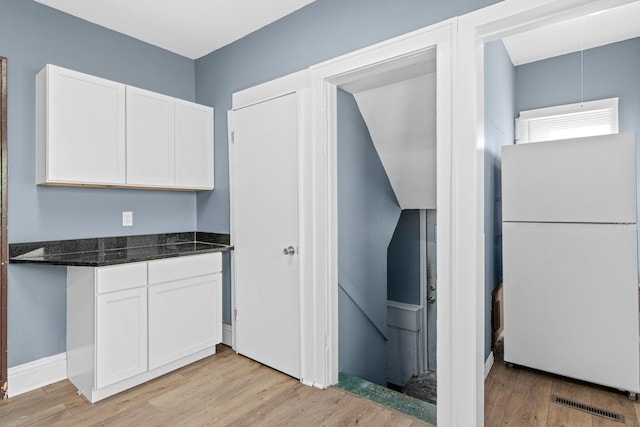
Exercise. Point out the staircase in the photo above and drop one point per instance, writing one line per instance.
(400, 402)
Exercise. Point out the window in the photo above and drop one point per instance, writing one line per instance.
(568, 121)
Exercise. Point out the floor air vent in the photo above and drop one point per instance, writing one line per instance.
(588, 409)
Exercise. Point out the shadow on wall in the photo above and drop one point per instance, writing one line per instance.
(368, 213)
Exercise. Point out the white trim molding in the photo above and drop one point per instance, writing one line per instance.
(36, 374)
(326, 77)
(488, 364)
(227, 335)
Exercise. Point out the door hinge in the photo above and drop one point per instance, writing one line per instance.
(233, 137)
(235, 314)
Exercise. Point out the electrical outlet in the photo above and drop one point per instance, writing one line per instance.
(127, 219)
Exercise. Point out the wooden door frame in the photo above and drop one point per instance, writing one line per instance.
(3, 230)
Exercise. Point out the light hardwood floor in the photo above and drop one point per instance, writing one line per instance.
(224, 389)
(522, 397)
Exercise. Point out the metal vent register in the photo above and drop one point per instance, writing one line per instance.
(588, 409)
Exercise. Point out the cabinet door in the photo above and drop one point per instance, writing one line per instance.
(193, 145)
(184, 317)
(121, 335)
(85, 128)
(150, 138)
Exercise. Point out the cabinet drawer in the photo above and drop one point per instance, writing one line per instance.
(182, 267)
(121, 277)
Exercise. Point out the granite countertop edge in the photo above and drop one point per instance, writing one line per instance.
(104, 251)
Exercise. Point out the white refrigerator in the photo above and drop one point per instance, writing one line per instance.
(570, 259)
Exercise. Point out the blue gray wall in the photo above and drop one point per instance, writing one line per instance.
(323, 30)
(403, 257)
(32, 35)
(609, 71)
(499, 115)
(368, 213)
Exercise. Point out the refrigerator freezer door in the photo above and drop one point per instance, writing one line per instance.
(575, 180)
(571, 301)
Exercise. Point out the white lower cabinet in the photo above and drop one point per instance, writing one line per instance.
(183, 315)
(127, 324)
(121, 335)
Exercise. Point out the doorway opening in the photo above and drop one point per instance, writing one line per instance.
(387, 208)
(412, 305)
(594, 59)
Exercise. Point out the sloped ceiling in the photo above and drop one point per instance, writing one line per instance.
(401, 118)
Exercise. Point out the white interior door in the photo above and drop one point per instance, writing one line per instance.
(265, 233)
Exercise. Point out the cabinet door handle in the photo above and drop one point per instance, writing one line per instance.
(289, 251)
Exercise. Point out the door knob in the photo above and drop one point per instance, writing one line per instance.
(289, 251)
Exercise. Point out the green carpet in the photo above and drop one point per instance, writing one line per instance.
(400, 402)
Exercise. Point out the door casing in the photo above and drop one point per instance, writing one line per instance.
(326, 77)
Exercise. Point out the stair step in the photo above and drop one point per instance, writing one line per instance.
(400, 402)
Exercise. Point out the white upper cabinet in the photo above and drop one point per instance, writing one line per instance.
(150, 138)
(91, 131)
(80, 128)
(194, 147)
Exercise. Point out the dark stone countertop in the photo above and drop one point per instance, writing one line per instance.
(102, 251)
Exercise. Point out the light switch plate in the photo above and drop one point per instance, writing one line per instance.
(127, 219)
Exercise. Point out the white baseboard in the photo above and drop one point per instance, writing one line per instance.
(227, 335)
(36, 374)
(488, 365)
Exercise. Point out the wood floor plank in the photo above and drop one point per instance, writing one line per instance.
(269, 410)
(528, 401)
(503, 380)
(304, 405)
(255, 399)
(43, 417)
(97, 413)
(228, 389)
(350, 413)
(254, 384)
(528, 404)
(564, 416)
(613, 401)
(176, 407)
(11, 413)
(138, 415)
(384, 418)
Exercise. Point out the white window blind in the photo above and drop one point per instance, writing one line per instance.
(568, 121)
